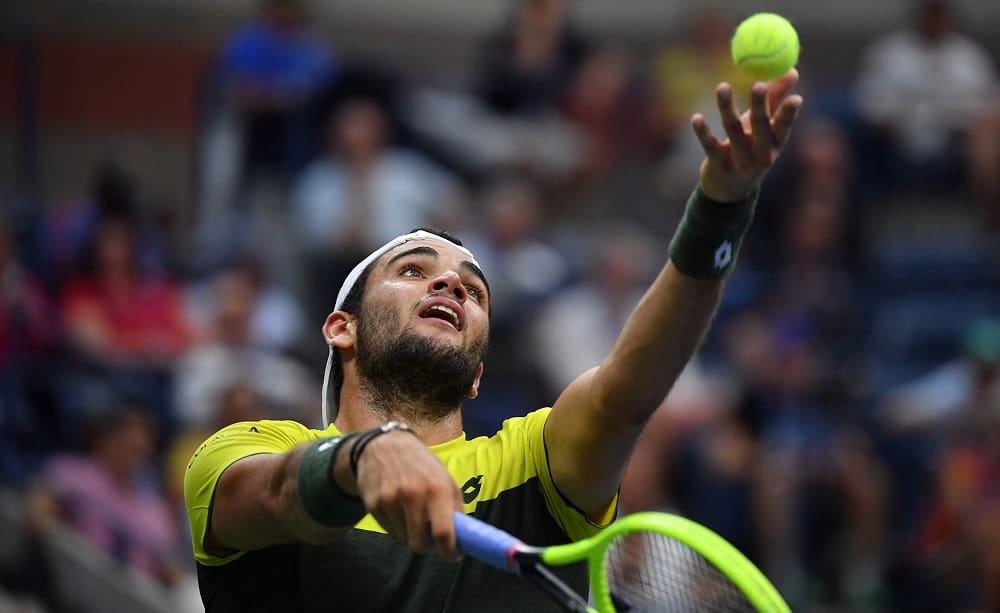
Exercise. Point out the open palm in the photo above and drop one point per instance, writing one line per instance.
(733, 167)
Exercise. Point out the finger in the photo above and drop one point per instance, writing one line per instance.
(713, 148)
(394, 528)
(760, 124)
(416, 518)
(784, 117)
(778, 88)
(738, 141)
(442, 526)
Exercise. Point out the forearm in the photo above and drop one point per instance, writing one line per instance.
(596, 421)
(345, 507)
(670, 321)
(258, 503)
(656, 343)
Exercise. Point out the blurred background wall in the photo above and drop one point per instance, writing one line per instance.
(433, 40)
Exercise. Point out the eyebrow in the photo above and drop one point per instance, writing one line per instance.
(428, 251)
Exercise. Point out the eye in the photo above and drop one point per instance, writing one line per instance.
(475, 291)
(411, 270)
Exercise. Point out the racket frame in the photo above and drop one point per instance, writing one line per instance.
(507, 553)
(747, 578)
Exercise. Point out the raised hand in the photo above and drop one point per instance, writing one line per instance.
(410, 492)
(733, 167)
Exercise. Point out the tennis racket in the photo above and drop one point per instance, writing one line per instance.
(642, 562)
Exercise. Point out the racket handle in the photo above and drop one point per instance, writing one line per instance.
(486, 543)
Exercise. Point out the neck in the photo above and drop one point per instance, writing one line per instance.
(363, 410)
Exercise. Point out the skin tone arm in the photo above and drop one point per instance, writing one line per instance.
(406, 488)
(596, 421)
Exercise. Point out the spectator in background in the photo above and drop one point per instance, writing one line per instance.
(595, 104)
(609, 110)
(805, 263)
(229, 358)
(814, 286)
(921, 417)
(362, 192)
(984, 141)
(262, 117)
(685, 73)
(821, 175)
(70, 223)
(957, 395)
(528, 64)
(946, 81)
(277, 321)
(697, 458)
(108, 494)
(955, 559)
(29, 328)
(512, 117)
(819, 490)
(793, 349)
(525, 269)
(273, 69)
(953, 553)
(817, 485)
(125, 326)
(579, 325)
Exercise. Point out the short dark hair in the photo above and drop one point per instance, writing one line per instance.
(354, 300)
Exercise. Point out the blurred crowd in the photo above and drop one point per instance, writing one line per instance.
(840, 425)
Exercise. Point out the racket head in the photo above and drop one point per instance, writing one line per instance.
(663, 562)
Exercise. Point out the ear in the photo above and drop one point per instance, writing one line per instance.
(474, 390)
(339, 330)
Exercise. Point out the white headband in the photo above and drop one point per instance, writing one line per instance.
(352, 279)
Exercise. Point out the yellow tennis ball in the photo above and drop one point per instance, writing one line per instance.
(765, 46)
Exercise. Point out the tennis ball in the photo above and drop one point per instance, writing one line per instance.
(765, 46)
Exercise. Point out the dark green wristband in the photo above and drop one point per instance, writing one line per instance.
(709, 235)
(323, 500)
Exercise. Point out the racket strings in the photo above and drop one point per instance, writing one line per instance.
(651, 572)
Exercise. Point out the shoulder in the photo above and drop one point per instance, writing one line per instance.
(516, 451)
(522, 429)
(504, 449)
(243, 439)
(516, 456)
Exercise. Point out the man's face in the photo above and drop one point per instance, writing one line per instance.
(424, 324)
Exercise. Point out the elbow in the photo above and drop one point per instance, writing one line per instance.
(280, 496)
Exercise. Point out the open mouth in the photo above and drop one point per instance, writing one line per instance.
(443, 312)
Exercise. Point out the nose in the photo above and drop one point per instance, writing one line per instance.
(450, 282)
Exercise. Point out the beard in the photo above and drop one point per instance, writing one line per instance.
(403, 374)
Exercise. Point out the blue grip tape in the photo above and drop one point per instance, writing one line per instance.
(486, 543)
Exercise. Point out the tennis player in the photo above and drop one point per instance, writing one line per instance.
(358, 516)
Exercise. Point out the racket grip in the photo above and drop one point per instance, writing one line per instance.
(486, 543)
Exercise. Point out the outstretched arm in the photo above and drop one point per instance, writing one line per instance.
(259, 500)
(596, 421)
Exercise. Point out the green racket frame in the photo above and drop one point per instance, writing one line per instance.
(726, 558)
